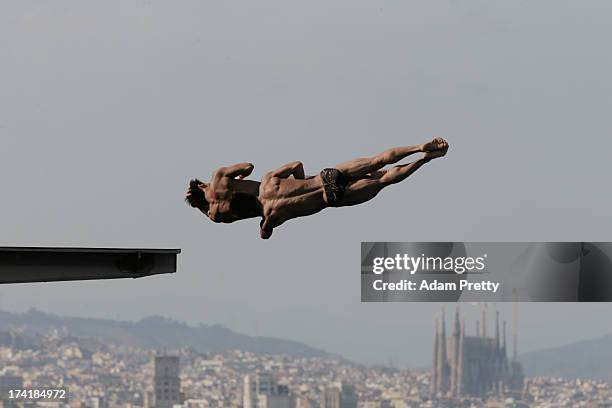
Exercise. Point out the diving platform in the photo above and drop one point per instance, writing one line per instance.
(47, 264)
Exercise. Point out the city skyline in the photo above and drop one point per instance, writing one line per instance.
(212, 337)
(108, 109)
(108, 376)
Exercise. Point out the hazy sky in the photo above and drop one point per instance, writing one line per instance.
(107, 110)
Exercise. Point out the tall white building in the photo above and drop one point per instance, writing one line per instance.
(166, 382)
(262, 391)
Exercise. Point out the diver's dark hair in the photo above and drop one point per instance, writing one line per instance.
(196, 196)
(244, 205)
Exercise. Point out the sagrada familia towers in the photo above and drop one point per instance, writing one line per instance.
(473, 366)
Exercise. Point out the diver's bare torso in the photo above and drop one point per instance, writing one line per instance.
(285, 198)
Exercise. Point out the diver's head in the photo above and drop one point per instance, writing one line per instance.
(196, 196)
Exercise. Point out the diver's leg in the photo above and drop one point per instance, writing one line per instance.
(400, 173)
(358, 168)
(361, 167)
(362, 190)
(366, 188)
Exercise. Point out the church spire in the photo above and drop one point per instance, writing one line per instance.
(459, 386)
(515, 332)
(504, 343)
(497, 329)
(443, 372)
(434, 368)
(484, 321)
(455, 343)
(457, 326)
(443, 354)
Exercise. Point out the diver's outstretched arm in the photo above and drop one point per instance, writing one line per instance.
(295, 169)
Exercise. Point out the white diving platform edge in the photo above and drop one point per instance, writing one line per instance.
(47, 264)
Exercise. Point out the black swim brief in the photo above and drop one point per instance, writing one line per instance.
(334, 184)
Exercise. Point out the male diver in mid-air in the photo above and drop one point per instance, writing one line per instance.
(288, 193)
